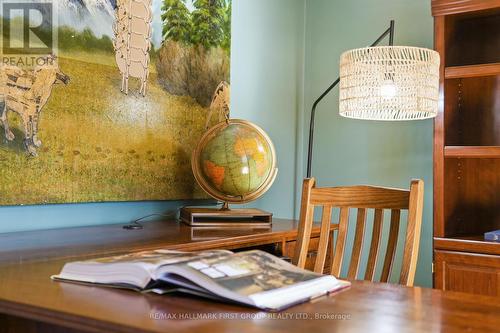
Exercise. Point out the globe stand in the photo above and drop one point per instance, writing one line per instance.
(225, 217)
(239, 139)
(225, 206)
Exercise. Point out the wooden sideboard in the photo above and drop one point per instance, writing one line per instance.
(279, 239)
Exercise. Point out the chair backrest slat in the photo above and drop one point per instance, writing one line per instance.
(358, 244)
(392, 243)
(375, 244)
(323, 239)
(341, 240)
(362, 198)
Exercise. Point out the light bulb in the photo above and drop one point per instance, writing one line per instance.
(388, 89)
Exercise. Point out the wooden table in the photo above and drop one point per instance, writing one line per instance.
(31, 302)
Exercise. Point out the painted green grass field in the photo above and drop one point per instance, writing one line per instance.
(99, 144)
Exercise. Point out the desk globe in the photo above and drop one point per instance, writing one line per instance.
(234, 162)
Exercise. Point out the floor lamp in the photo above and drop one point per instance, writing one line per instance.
(384, 83)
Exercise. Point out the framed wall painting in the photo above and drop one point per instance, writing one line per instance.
(108, 98)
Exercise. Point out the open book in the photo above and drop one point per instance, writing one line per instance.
(253, 278)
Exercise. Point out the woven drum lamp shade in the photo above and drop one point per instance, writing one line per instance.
(389, 83)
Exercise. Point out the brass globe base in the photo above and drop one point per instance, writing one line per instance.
(225, 217)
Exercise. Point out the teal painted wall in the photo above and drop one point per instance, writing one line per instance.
(351, 152)
(267, 62)
(22, 218)
(266, 82)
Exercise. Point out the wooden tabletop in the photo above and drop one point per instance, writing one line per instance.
(26, 291)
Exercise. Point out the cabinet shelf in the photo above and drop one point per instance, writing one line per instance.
(472, 151)
(472, 243)
(471, 111)
(457, 72)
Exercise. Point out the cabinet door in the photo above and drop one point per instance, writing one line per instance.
(467, 272)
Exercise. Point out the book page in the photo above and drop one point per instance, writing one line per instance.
(251, 272)
(159, 257)
(137, 269)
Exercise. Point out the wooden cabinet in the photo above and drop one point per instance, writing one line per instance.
(467, 146)
(467, 272)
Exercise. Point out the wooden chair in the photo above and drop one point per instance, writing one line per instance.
(362, 198)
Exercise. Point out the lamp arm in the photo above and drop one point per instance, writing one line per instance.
(390, 32)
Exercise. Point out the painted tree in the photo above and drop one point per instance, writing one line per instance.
(226, 28)
(176, 21)
(208, 22)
